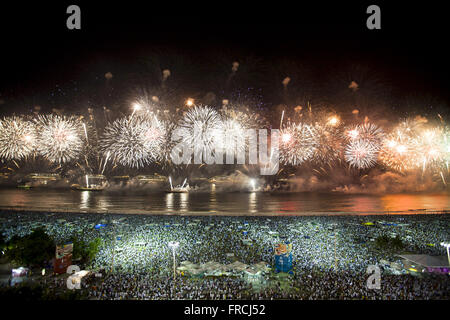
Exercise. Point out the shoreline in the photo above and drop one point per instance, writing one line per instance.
(224, 213)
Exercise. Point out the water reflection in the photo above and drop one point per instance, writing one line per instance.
(366, 204)
(184, 201)
(229, 203)
(103, 204)
(213, 200)
(402, 202)
(93, 201)
(169, 201)
(85, 195)
(252, 203)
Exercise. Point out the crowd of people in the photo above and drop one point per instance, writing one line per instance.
(310, 285)
(330, 254)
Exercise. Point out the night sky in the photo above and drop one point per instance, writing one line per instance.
(43, 63)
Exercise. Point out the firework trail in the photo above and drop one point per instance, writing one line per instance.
(106, 161)
(17, 138)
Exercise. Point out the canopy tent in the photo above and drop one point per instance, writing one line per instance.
(252, 272)
(77, 276)
(261, 266)
(238, 266)
(216, 268)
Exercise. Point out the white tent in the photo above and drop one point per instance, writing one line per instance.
(216, 268)
(261, 266)
(252, 272)
(238, 266)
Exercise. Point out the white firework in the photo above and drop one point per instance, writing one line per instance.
(329, 142)
(429, 146)
(232, 137)
(60, 138)
(367, 131)
(17, 138)
(134, 141)
(361, 154)
(199, 129)
(372, 133)
(246, 118)
(235, 125)
(298, 143)
(398, 152)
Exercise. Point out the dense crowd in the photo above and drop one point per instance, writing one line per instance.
(330, 254)
(304, 286)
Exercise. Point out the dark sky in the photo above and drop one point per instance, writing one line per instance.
(38, 52)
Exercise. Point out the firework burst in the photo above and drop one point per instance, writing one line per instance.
(398, 152)
(199, 129)
(61, 139)
(134, 141)
(232, 137)
(235, 124)
(246, 118)
(17, 138)
(368, 132)
(329, 137)
(445, 145)
(371, 133)
(298, 142)
(428, 145)
(364, 143)
(361, 154)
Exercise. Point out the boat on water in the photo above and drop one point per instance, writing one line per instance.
(179, 190)
(93, 182)
(90, 188)
(184, 188)
(38, 180)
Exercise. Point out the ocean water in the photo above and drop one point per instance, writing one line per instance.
(196, 203)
